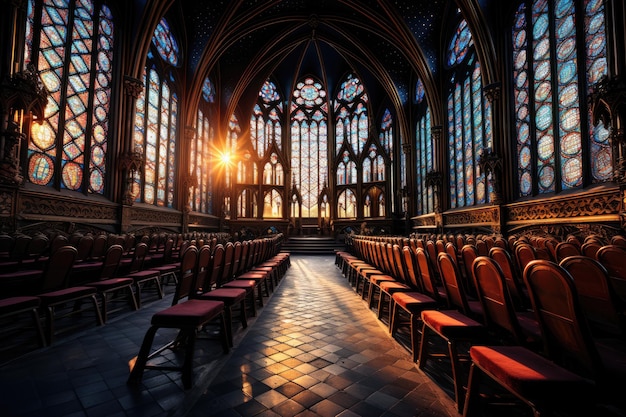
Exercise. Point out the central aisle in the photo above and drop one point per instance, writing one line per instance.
(316, 349)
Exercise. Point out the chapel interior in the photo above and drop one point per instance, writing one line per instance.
(460, 163)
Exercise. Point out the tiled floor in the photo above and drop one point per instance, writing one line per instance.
(314, 349)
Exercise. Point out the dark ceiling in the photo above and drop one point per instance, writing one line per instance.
(387, 43)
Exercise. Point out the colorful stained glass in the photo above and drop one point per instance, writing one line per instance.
(309, 139)
(165, 43)
(459, 44)
(265, 123)
(208, 90)
(558, 140)
(469, 122)
(419, 91)
(74, 79)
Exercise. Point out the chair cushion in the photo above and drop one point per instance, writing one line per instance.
(414, 300)
(452, 324)
(143, 275)
(14, 304)
(110, 284)
(66, 294)
(526, 373)
(189, 313)
(240, 283)
(376, 279)
(228, 296)
(393, 286)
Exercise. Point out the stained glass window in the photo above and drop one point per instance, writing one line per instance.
(374, 204)
(246, 204)
(346, 204)
(272, 204)
(352, 123)
(156, 127)
(550, 102)
(469, 122)
(165, 43)
(265, 125)
(73, 53)
(424, 151)
(202, 154)
(309, 143)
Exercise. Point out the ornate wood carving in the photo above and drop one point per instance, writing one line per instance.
(424, 221)
(149, 216)
(34, 206)
(566, 208)
(478, 216)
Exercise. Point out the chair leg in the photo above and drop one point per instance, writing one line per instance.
(223, 332)
(37, 322)
(243, 316)
(96, 309)
(136, 372)
(473, 389)
(228, 312)
(458, 386)
(187, 368)
(414, 335)
(50, 324)
(421, 360)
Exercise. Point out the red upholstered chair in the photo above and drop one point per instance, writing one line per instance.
(596, 295)
(189, 317)
(619, 240)
(590, 248)
(513, 327)
(58, 299)
(454, 326)
(513, 277)
(565, 249)
(165, 263)
(135, 270)
(524, 253)
(13, 307)
(205, 288)
(111, 288)
(456, 294)
(612, 258)
(566, 334)
(225, 280)
(468, 254)
(540, 383)
(388, 287)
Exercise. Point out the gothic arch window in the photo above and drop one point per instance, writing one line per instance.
(202, 154)
(373, 165)
(346, 170)
(552, 47)
(272, 204)
(352, 123)
(156, 121)
(265, 126)
(247, 171)
(346, 204)
(71, 44)
(273, 171)
(424, 151)
(469, 121)
(374, 204)
(309, 142)
(247, 204)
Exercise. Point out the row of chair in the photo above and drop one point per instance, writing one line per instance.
(522, 335)
(210, 283)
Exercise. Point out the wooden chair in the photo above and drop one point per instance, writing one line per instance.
(189, 317)
(565, 249)
(513, 277)
(612, 258)
(108, 286)
(56, 294)
(596, 296)
(453, 326)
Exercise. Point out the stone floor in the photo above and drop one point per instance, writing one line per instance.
(314, 349)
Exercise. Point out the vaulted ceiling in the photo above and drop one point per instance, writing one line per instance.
(240, 43)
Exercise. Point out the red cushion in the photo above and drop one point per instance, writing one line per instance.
(375, 279)
(66, 294)
(240, 283)
(414, 300)
(13, 304)
(393, 286)
(144, 274)
(228, 296)
(189, 313)
(452, 324)
(526, 373)
(109, 284)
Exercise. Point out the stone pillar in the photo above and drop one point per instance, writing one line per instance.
(130, 160)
